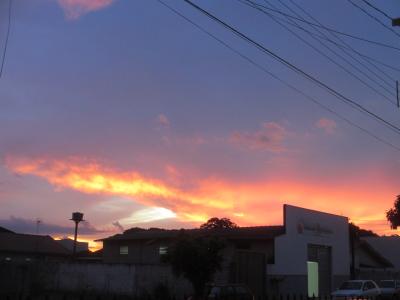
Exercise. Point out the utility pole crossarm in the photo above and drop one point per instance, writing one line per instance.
(396, 22)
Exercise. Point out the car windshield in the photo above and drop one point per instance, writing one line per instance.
(351, 285)
(386, 284)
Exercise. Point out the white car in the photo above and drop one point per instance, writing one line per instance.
(357, 289)
(390, 288)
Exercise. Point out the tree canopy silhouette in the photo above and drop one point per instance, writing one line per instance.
(196, 258)
(393, 214)
(217, 223)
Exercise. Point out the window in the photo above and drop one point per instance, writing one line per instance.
(368, 286)
(163, 250)
(123, 250)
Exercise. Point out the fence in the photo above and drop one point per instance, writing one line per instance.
(161, 296)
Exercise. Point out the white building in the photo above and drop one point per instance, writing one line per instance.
(312, 256)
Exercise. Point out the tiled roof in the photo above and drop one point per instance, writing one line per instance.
(254, 233)
(27, 243)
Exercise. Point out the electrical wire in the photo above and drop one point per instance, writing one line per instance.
(329, 58)
(377, 9)
(7, 36)
(334, 30)
(296, 69)
(374, 18)
(350, 48)
(266, 71)
(394, 68)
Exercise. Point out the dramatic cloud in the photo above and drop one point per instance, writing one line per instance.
(270, 138)
(247, 203)
(328, 125)
(75, 8)
(91, 177)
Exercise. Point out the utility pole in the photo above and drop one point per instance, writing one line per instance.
(76, 217)
(38, 222)
(397, 94)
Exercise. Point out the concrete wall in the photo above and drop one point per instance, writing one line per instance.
(117, 278)
(96, 278)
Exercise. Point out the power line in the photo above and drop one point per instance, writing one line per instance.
(377, 9)
(339, 45)
(373, 17)
(266, 71)
(7, 36)
(328, 57)
(288, 64)
(333, 30)
(350, 48)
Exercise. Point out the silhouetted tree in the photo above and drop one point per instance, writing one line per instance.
(355, 233)
(393, 214)
(196, 258)
(216, 223)
(358, 232)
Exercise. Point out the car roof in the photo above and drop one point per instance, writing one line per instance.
(363, 280)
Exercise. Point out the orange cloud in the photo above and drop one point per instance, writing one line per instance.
(91, 177)
(75, 8)
(270, 137)
(247, 203)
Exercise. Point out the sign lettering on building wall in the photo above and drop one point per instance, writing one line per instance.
(312, 229)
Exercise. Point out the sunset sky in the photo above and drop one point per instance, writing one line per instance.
(124, 111)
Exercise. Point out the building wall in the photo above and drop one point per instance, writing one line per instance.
(139, 251)
(306, 227)
(147, 252)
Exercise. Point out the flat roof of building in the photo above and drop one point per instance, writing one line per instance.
(252, 233)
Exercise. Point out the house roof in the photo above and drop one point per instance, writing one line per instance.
(388, 246)
(385, 263)
(252, 233)
(2, 229)
(27, 243)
